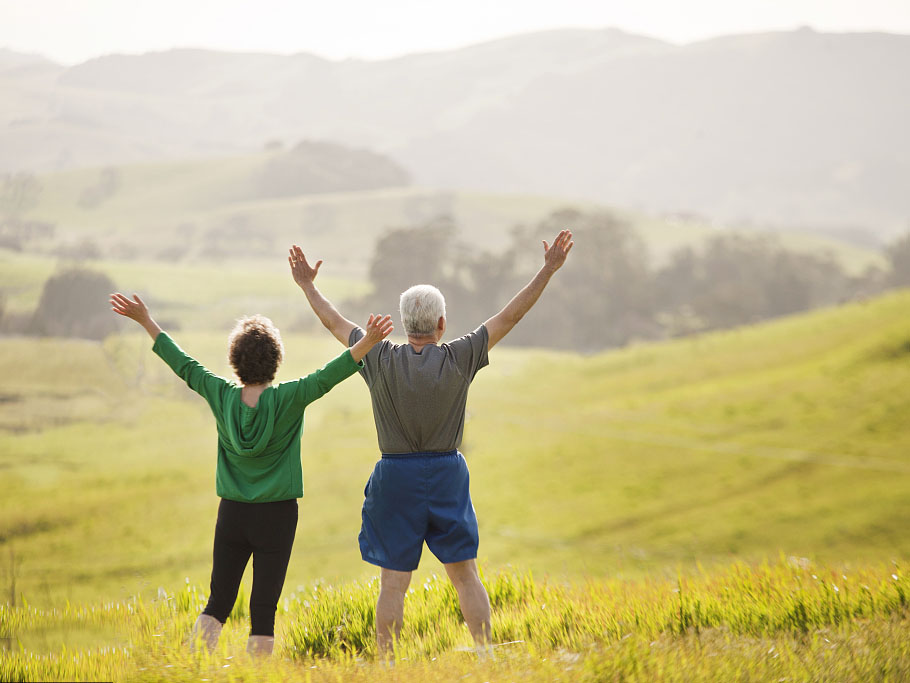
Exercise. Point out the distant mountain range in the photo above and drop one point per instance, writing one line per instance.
(786, 128)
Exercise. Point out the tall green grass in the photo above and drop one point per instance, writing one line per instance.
(786, 619)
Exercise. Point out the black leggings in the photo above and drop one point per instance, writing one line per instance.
(265, 531)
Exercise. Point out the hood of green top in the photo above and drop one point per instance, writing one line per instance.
(250, 430)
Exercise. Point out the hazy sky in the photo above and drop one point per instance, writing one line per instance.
(70, 31)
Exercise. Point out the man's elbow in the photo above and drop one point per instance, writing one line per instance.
(512, 319)
(330, 324)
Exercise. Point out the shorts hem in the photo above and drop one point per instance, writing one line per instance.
(389, 565)
(460, 558)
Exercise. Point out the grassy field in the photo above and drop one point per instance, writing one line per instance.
(788, 621)
(790, 436)
(185, 210)
(609, 473)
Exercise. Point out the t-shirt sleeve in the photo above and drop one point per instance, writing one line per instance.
(197, 376)
(370, 362)
(470, 352)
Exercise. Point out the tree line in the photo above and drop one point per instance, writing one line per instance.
(610, 293)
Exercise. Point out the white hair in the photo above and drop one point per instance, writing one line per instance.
(421, 307)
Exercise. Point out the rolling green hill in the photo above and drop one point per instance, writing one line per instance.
(201, 211)
(786, 437)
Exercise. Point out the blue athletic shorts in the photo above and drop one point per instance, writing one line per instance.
(414, 498)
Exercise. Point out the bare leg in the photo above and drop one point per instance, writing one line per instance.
(390, 609)
(260, 646)
(475, 603)
(206, 632)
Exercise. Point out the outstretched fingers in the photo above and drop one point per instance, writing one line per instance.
(298, 255)
(555, 254)
(134, 308)
(119, 303)
(381, 325)
(561, 241)
(122, 305)
(299, 264)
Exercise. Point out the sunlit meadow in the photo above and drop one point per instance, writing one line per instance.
(726, 507)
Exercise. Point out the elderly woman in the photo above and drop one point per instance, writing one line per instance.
(419, 488)
(258, 474)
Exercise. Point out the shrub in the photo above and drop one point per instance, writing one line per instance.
(74, 304)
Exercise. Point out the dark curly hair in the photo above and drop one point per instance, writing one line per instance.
(255, 350)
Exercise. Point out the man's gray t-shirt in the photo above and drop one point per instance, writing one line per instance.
(419, 398)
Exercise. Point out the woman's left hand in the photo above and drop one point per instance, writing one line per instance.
(378, 328)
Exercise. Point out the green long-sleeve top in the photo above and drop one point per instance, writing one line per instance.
(258, 448)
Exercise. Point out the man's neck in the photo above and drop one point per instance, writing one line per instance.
(417, 343)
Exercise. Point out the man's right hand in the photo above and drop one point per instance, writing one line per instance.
(302, 271)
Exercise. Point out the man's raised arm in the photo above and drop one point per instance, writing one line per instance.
(553, 257)
(304, 276)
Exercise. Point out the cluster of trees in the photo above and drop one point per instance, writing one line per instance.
(610, 294)
(73, 303)
(312, 167)
(898, 253)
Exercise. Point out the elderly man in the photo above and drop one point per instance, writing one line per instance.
(419, 489)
